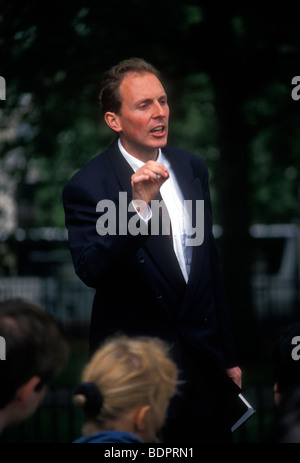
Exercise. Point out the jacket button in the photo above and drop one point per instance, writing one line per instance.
(141, 259)
(158, 296)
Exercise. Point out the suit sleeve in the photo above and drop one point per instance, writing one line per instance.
(95, 257)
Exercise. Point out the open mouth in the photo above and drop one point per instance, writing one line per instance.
(159, 130)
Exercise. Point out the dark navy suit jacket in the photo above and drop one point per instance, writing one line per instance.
(140, 289)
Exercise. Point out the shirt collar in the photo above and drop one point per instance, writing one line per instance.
(134, 162)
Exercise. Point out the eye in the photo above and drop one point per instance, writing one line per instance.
(143, 106)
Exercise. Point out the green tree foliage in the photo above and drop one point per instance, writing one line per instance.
(228, 68)
(223, 66)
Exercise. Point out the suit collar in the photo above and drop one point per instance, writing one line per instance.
(182, 168)
(183, 171)
(135, 163)
(121, 168)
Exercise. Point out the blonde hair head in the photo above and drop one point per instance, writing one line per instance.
(128, 372)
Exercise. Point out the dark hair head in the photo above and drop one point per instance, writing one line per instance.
(109, 96)
(34, 346)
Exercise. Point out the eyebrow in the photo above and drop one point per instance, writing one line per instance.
(146, 100)
(149, 100)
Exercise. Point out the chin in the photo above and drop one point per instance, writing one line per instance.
(161, 144)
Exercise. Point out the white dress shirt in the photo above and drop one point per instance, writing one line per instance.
(174, 201)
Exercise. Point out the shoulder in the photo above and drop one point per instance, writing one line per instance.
(187, 164)
(109, 437)
(94, 167)
(97, 171)
(181, 155)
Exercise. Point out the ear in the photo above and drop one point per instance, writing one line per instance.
(113, 121)
(24, 392)
(141, 417)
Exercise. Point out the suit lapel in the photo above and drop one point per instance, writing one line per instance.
(121, 168)
(158, 247)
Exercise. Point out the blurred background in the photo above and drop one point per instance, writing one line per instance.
(228, 70)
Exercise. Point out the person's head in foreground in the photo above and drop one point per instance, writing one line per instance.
(126, 389)
(35, 351)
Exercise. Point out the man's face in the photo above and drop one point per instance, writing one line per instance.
(144, 115)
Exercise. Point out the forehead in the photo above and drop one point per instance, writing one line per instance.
(140, 86)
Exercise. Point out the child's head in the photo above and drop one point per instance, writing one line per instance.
(127, 386)
(35, 352)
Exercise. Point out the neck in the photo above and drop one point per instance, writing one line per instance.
(143, 155)
(123, 423)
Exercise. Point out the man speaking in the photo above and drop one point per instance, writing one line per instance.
(155, 284)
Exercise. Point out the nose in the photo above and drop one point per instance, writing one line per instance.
(159, 110)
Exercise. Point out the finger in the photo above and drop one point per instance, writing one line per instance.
(162, 180)
(139, 178)
(157, 167)
(153, 175)
(160, 171)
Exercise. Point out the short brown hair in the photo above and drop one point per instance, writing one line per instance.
(109, 96)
